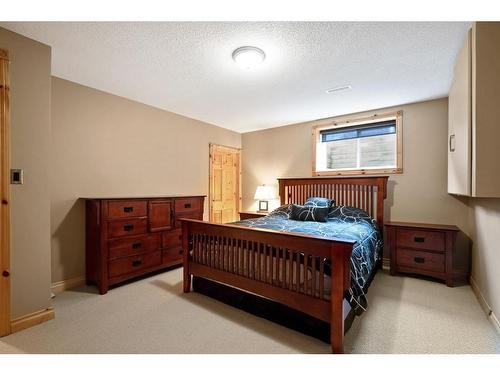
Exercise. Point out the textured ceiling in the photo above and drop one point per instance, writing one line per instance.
(187, 67)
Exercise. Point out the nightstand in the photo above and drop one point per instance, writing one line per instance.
(251, 214)
(428, 249)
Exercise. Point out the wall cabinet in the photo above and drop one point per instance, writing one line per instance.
(474, 115)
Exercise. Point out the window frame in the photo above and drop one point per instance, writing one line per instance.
(352, 122)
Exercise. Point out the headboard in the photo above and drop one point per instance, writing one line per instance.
(367, 193)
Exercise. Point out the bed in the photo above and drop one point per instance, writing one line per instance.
(311, 267)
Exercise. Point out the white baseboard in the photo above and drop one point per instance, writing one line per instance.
(63, 285)
(485, 305)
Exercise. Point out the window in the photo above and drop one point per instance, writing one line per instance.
(362, 146)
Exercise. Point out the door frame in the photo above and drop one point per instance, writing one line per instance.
(5, 328)
(210, 177)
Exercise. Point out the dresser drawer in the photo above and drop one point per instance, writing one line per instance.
(132, 264)
(420, 239)
(119, 228)
(193, 215)
(131, 246)
(420, 260)
(172, 239)
(187, 205)
(171, 255)
(123, 209)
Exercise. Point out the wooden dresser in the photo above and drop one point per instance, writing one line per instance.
(129, 237)
(428, 249)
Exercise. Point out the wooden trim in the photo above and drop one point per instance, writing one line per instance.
(5, 194)
(484, 304)
(211, 146)
(68, 284)
(354, 122)
(32, 319)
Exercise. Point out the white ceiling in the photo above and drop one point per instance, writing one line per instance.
(187, 67)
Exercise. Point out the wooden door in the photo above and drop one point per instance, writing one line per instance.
(5, 195)
(460, 124)
(160, 215)
(224, 197)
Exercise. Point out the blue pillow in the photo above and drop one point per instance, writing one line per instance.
(309, 213)
(319, 202)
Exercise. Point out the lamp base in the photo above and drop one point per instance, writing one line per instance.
(263, 206)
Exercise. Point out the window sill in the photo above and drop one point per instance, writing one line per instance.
(358, 172)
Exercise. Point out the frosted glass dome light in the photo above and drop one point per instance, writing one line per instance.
(248, 57)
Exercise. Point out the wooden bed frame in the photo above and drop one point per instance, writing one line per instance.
(286, 267)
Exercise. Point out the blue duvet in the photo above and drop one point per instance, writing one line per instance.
(343, 222)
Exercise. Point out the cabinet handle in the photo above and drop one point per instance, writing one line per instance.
(419, 260)
(187, 205)
(136, 263)
(419, 239)
(128, 209)
(136, 245)
(181, 252)
(451, 143)
(128, 227)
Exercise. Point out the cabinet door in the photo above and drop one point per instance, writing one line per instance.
(459, 124)
(160, 215)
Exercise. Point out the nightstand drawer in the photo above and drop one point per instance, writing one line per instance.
(420, 239)
(420, 260)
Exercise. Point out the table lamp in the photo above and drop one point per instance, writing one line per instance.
(263, 194)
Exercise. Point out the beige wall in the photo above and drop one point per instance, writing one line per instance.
(485, 225)
(107, 145)
(418, 195)
(30, 144)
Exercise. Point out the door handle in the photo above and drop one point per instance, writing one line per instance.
(451, 143)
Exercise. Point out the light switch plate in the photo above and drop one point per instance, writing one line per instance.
(16, 176)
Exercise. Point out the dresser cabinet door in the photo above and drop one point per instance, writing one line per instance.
(160, 215)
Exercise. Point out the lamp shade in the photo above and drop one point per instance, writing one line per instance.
(264, 192)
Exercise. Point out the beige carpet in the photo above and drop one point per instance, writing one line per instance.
(406, 315)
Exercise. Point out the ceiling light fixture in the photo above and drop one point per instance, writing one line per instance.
(248, 57)
(340, 88)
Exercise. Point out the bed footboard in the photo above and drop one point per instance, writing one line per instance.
(288, 268)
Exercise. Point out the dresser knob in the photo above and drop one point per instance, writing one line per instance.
(5, 273)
